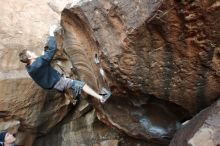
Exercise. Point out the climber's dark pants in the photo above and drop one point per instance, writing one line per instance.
(67, 83)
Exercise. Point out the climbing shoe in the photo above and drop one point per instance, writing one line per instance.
(105, 95)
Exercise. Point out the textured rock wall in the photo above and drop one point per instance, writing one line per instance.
(24, 106)
(147, 50)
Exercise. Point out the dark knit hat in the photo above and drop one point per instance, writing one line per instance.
(2, 136)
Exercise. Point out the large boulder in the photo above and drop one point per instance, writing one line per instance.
(201, 130)
(157, 57)
(168, 49)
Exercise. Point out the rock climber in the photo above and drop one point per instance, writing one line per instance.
(40, 70)
(7, 139)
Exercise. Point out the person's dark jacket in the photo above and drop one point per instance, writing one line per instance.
(2, 144)
(41, 71)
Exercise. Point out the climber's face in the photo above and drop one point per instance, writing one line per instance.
(9, 138)
(31, 55)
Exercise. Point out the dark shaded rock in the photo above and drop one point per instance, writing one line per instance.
(87, 130)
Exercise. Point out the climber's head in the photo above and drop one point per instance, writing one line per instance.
(27, 56)
(6, 138)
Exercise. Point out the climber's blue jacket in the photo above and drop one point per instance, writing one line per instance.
(41, 71)
(2, 144)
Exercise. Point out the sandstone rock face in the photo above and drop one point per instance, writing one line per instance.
(24, 106)
(202, 130)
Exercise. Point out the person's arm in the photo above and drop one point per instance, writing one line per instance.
(52, 47)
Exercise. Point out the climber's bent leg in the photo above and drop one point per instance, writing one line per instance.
(77, 87)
